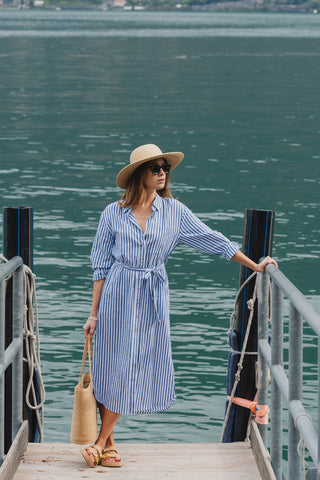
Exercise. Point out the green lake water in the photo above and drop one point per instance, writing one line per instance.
(239, 95)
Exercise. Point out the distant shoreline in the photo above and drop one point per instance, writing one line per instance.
(240, 6)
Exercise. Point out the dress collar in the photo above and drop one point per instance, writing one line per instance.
(156, 205)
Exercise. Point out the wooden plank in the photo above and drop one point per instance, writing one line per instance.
(17, 449)
(260, 453)
(144, 462)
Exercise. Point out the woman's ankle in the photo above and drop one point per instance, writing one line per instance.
(109, 444)
(99, 445)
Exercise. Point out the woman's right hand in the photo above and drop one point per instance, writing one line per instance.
(89, 327)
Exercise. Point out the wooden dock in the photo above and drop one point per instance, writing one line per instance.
(228, 461)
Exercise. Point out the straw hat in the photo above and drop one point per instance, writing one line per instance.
(144, 154)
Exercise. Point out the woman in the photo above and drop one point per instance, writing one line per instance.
(132, 361)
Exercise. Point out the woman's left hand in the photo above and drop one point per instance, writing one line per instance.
(247, 262)
(266, 261)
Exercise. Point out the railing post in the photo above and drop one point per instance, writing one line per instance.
(276, 398)
(17, 364)
(2, 348)
(262, 335)
(295, 388)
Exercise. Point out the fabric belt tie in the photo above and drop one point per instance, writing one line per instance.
(153, 275)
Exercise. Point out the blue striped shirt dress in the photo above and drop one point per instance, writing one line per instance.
(132, 361)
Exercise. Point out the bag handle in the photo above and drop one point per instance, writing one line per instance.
(87, 350)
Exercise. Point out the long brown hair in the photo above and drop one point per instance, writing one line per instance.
(135, 193)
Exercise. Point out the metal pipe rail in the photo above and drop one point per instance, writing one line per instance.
(282, 386)
(13, 354)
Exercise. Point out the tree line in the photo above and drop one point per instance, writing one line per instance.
(309, 5)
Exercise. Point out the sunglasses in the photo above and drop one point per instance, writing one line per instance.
(155, 169)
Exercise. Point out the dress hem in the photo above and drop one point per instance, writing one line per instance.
(138, 412)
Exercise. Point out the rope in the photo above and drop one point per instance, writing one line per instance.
(239, 353)
(301, 447)
(234, 313)
(32, 349)
(32, 346)
(250, 304)
(302, 414)
(247, 439)
(301, 451)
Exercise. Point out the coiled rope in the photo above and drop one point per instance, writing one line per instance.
(34, 398)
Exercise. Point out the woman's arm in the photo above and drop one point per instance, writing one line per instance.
(257, 267)
(196, 234)
(91, 323)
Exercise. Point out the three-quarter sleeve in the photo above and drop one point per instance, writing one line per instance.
(196, 234)
(101, 254)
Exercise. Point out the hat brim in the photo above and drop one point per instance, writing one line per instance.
(174, 158)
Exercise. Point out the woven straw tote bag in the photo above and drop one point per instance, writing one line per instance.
(84, 417)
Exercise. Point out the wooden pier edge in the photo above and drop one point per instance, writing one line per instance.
(15, 453)
(261, 454)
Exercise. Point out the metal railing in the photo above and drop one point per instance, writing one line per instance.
(13, 354)
(289, 388)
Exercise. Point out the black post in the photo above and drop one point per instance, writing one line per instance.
(257, 243)
(17, 240)
(18, 234)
